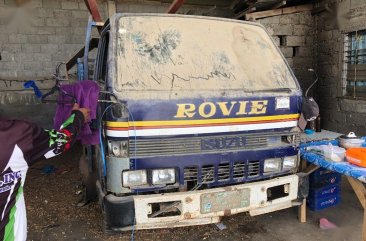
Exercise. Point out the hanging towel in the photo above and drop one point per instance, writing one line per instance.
(86, 93)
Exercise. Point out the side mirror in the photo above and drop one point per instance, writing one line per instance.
(309, 111)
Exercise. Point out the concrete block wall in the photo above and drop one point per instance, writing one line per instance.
(38, 35)
(337, 112)
(294, 35)
(33, 39)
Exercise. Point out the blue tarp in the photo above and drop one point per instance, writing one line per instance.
(344, 168)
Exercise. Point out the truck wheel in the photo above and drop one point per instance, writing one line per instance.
(98, 163)
(89, 175)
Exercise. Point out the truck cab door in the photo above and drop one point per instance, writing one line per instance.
(90, 161)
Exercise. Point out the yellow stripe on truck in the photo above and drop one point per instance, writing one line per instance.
(198, 122)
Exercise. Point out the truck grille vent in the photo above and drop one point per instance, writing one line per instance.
(168, 146)
(222, 172)
(208, 174)
(253, 168)
(239, 170)
(191, 174)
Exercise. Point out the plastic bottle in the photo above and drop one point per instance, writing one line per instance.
(311, 125)
(318, 124)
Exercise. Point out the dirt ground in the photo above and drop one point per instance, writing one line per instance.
(53, 215)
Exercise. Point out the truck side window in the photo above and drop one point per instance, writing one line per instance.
(102, 57)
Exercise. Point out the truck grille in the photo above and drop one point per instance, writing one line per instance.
(212, 144)
(222, 172)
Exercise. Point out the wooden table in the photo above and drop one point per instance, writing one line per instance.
(355, 175)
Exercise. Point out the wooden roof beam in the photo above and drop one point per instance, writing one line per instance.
(276, 12)
(241, 14)
(92, 6)
(251, 8)
(174, 7)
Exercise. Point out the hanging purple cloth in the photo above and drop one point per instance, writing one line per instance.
(86, 93)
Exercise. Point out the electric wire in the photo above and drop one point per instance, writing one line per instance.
(133, 229)
(311, 86)
(135, 154)
(101, 140)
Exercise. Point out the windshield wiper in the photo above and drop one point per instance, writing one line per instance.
(288, 90)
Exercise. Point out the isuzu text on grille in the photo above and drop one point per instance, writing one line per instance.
(223, 143)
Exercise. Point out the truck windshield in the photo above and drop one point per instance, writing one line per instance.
(192, 53)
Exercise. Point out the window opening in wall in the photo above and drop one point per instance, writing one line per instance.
(354, 64)
(295, 51)
(282, 40)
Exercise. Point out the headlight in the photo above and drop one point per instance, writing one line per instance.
(134, 178)
(290, 162)
(272, 165)
(163, 176)
(117, 148)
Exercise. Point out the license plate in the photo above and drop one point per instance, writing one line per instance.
(221, 201)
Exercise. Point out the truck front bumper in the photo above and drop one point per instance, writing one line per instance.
(199, 207)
